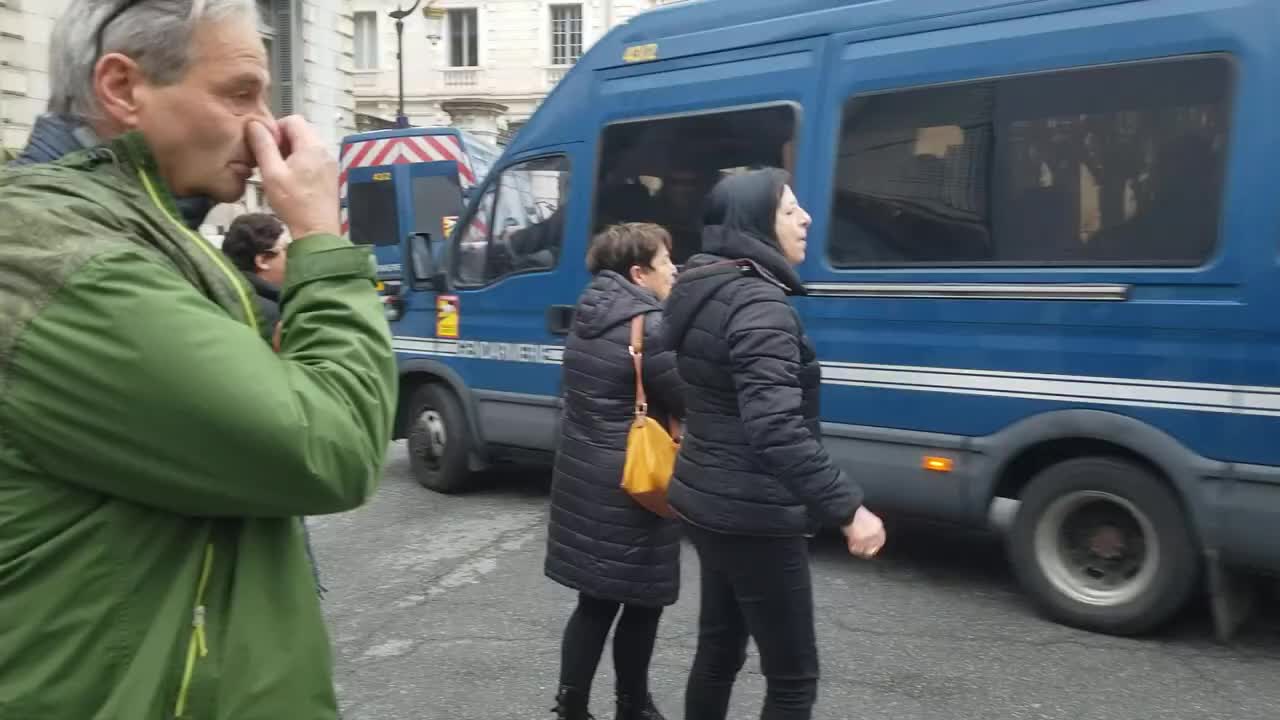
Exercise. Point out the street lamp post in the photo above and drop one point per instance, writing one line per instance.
(399, 15)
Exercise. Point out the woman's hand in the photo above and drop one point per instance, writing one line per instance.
(865, 534)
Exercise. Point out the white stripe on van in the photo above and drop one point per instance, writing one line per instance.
(1201, 397)
(425, 346)
(480, 350)
(1075, 389)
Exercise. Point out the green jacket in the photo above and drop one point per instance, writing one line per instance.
(155, 453)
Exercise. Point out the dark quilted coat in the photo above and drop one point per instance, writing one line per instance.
(600, 541)
(752, 460)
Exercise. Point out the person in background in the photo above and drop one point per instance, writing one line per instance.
(256, 244)
(155, 452)
(678, 207)
(614, 552)
(752, 480)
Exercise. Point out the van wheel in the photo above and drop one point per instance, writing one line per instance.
(439, 440)
(1101, 543)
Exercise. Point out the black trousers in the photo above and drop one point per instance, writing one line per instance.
(760, 588)
(633, 640)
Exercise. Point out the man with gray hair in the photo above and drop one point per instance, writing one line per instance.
(159, 39)
(155, 452)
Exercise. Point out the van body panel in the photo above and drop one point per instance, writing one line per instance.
(1034, 221)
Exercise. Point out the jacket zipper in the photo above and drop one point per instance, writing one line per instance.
(203, 245)
(198, 645)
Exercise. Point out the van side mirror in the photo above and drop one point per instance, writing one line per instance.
(418, 263)
(417, 258)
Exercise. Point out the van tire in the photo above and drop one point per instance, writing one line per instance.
(439, 439)
(1125, 569)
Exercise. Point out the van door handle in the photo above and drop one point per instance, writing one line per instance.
(559, 319)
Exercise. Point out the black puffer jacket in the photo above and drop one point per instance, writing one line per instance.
(600, 541)
(752, 460)
(268, 300)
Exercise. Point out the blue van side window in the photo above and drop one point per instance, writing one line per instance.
(660, 170)
(518, 226)
(1110, 165)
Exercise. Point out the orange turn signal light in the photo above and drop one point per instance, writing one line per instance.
(939, 464)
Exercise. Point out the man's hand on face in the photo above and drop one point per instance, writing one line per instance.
(299, 175)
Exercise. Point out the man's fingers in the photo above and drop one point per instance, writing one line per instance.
(265, 150)
(298, 133)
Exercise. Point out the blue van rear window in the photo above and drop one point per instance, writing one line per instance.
(371, 207)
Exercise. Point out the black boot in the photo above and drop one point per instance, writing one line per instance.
(638, 708)
(571, 704)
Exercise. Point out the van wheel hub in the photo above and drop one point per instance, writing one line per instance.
(430, 438)
(1097, 548)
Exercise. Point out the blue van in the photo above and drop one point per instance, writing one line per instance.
(395, 182)
(1043, 267)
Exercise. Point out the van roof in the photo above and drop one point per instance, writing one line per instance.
(697, 27)
(713, 25)
(401, 132)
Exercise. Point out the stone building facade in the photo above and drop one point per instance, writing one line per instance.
(481, 65)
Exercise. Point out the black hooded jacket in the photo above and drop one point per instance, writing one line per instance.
(752, 460)
(600, 541)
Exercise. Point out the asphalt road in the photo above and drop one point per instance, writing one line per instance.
(438, 609)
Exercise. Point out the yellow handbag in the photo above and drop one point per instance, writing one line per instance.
(651, 450)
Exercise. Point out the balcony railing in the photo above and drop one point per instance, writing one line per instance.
(461, 77)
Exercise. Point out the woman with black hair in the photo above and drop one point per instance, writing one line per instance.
(753, 481)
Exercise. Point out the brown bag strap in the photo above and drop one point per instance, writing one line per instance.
(637, 358)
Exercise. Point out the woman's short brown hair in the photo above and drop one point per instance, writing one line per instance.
(619, 247)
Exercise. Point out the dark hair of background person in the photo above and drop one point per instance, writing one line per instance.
(249, 236)
(747, 203)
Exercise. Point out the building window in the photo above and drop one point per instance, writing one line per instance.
(1115, 165)
(276, 27)
(518, 226)
(267, 30)
(463, 38)
(366, 41)
(266, 16)
(660, 170)
(566, 34)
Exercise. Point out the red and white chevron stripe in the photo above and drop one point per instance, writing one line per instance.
(400, 151)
